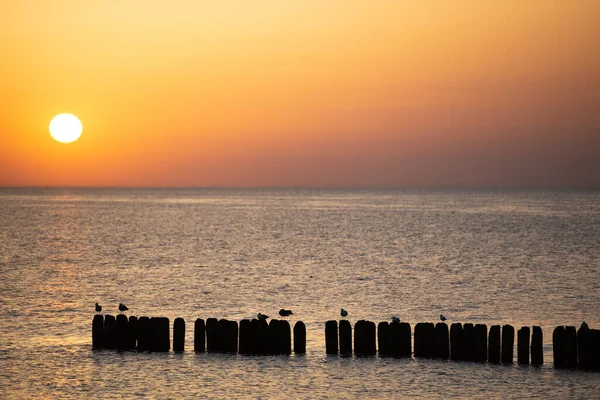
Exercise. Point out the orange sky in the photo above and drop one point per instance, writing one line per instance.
(302, 93)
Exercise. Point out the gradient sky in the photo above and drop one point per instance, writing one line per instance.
(302, 93)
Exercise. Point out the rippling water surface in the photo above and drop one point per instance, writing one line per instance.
(491, 257)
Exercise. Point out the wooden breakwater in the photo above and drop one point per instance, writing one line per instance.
(465, 342)
(459, 342)
(213, 335)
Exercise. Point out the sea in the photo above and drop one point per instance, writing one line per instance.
(493, 256)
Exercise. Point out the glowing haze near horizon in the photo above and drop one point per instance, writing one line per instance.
(302, 93)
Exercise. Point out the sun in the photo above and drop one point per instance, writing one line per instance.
(65, 128)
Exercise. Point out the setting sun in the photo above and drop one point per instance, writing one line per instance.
(65, 128)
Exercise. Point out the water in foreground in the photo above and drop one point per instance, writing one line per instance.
(491, 257)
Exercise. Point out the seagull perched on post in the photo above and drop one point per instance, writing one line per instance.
(285, 313)
(343, 313)
(123, 307)
(442, 318)
(262, 317)
(395, 319)
(98, 308)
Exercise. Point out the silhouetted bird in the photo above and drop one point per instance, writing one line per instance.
(262, 317)
(285, 313)
(442, 318)
(343, 313)
(584, 325)
(395, 319)
(123, 307)
(98, 308)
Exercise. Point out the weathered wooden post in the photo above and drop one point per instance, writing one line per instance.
(442, 341)
(420, 340)
(480, 342)
(405, 340)
(523, 335)
(370, 339)
(559, 347)
(154, 334)
(199, 335)
(273, 334)
(98, 332)
(595, 352)
(299, 338)
(212, 335)
(246, 337)
(179, 334)
(133, 332)
(110, 332)
(537, 346)
(345, 338)
(384, 339)
(143, 343)
(456, 342)
(571, 346)
(232, 337)
(469, 341)
(164, 334)
(508, 344)
(331, 337)
(122, 332)
(494, 344)
(285, 338)
(261, 336)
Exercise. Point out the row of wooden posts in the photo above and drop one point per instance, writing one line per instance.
(152, 334)
(468, 342)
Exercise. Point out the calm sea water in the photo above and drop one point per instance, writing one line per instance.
(491, 257)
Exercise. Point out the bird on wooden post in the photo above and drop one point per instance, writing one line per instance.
(285, 313)
(123, 307)
(343, 313)
(395, 319)
(98, 308)
(262, 317)
(442, 318)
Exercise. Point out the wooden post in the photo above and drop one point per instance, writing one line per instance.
(523, 335)
(212, 335)
(371, 339)
(571, 346)
(179, 334)
(494, 344)
(273, 334)
(420, 340)
(199, 333)
(143, 343)
(232, 337)
(384, 339)
(442, 341)
(154, 334)
(98, 332)
(246, 337)
(595, 346)
(395, 339)
(164, 343)
(133, 332)
(261, 336)
(405, 340)
(345, 337)
(469, 341)
(456, 342)
(285, 338)
(299, 338)
(331, 337)
(122, 332)
(481, 342)
(508, 344)
(559, 347)
(537, 346)
(110, 332)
